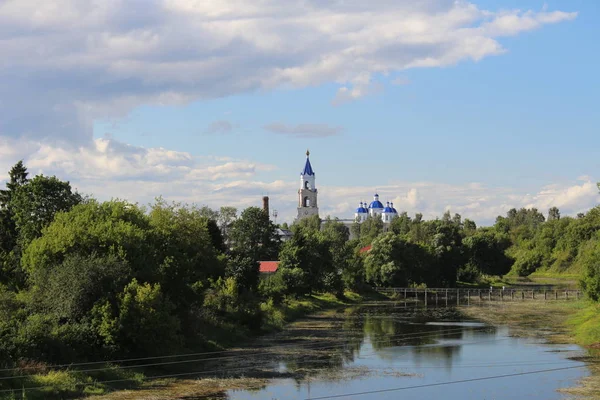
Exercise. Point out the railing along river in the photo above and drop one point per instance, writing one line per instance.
(451, 296)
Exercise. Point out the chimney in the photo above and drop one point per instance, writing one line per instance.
(266, 204)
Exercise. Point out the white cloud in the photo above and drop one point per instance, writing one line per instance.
(69, 62)
(304, 130)
(111, 169)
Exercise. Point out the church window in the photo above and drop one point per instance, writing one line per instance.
(306, 202)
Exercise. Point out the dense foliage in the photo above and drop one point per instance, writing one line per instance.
(83, 280)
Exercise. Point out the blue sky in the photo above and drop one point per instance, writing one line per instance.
(491, 106)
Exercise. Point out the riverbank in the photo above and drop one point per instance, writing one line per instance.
(576, 322)
(131, 383)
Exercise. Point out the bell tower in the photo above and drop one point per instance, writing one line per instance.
(307, 194)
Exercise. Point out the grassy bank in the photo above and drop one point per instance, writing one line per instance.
(557, 322)
(75, 383)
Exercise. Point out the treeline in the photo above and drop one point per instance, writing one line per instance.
(83, 280)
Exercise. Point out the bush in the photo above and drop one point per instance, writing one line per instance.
(143, 322)
(226, 302)
(590, 281)
(527, 263)
(468, 273)
(273, 288)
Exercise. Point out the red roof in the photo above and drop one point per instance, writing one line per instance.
(365, 249)
(268, 266)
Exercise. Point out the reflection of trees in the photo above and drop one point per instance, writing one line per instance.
(326, 345)
(405, 331)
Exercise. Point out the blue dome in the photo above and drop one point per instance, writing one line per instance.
(388, 210)
(376, 204)
(361, 209)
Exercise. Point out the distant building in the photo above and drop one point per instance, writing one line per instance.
(268, 267)
(307, 194)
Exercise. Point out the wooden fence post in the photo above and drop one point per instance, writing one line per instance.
(458, 297)
(555, 294)
(512, 294)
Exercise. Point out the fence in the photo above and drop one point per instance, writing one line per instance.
(467, 296)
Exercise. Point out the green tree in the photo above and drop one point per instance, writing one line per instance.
(401, 225)
(35, 203)
(70, 291)
(553, 213)
(312, 224)
(393, 261)
(10, 271)
(111, 228)
(590, 262)
(486, 251)
(141, 323)
(371, 228)
(254, 236)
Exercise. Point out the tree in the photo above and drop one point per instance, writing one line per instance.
(370, 229)
(401, 225)
(114, 227)
(35, 204)
(18, 177)
(553, 214)
(304, 262)
(254, 236)
(485, 251)
(70, 291)
(394, 261)
(8, 230)
(227, 216)
(312, 223)
(469, 226)
(140, 323)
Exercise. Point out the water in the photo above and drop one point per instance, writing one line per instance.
(388, 351)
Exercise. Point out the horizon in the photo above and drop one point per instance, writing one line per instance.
(473, 107)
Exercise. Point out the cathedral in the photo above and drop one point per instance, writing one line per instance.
(307, 201)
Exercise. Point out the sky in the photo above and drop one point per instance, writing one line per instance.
(470, 106)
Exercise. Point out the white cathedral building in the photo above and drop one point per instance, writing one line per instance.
(307, 201)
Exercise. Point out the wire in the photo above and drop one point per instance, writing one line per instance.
(159, 357)
(337, 396)
(307, 346)
(312, 398)
(256, 365)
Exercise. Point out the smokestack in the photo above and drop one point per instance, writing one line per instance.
(266, 204)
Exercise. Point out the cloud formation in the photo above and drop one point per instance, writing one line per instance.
(219, 127)
(304, 130)
(112, 169)
(76, 61)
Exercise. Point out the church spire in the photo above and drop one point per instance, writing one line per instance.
(307, 167)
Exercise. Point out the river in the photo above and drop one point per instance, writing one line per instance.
(414, 353)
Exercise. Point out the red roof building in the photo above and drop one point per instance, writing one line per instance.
(365, 249)
(268, 267)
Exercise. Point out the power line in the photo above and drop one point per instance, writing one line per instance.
(311, 347)
(337, 396)
(163, 356)
(249, 352)
(312, 398)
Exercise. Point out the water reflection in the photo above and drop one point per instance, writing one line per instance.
(381, 347)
